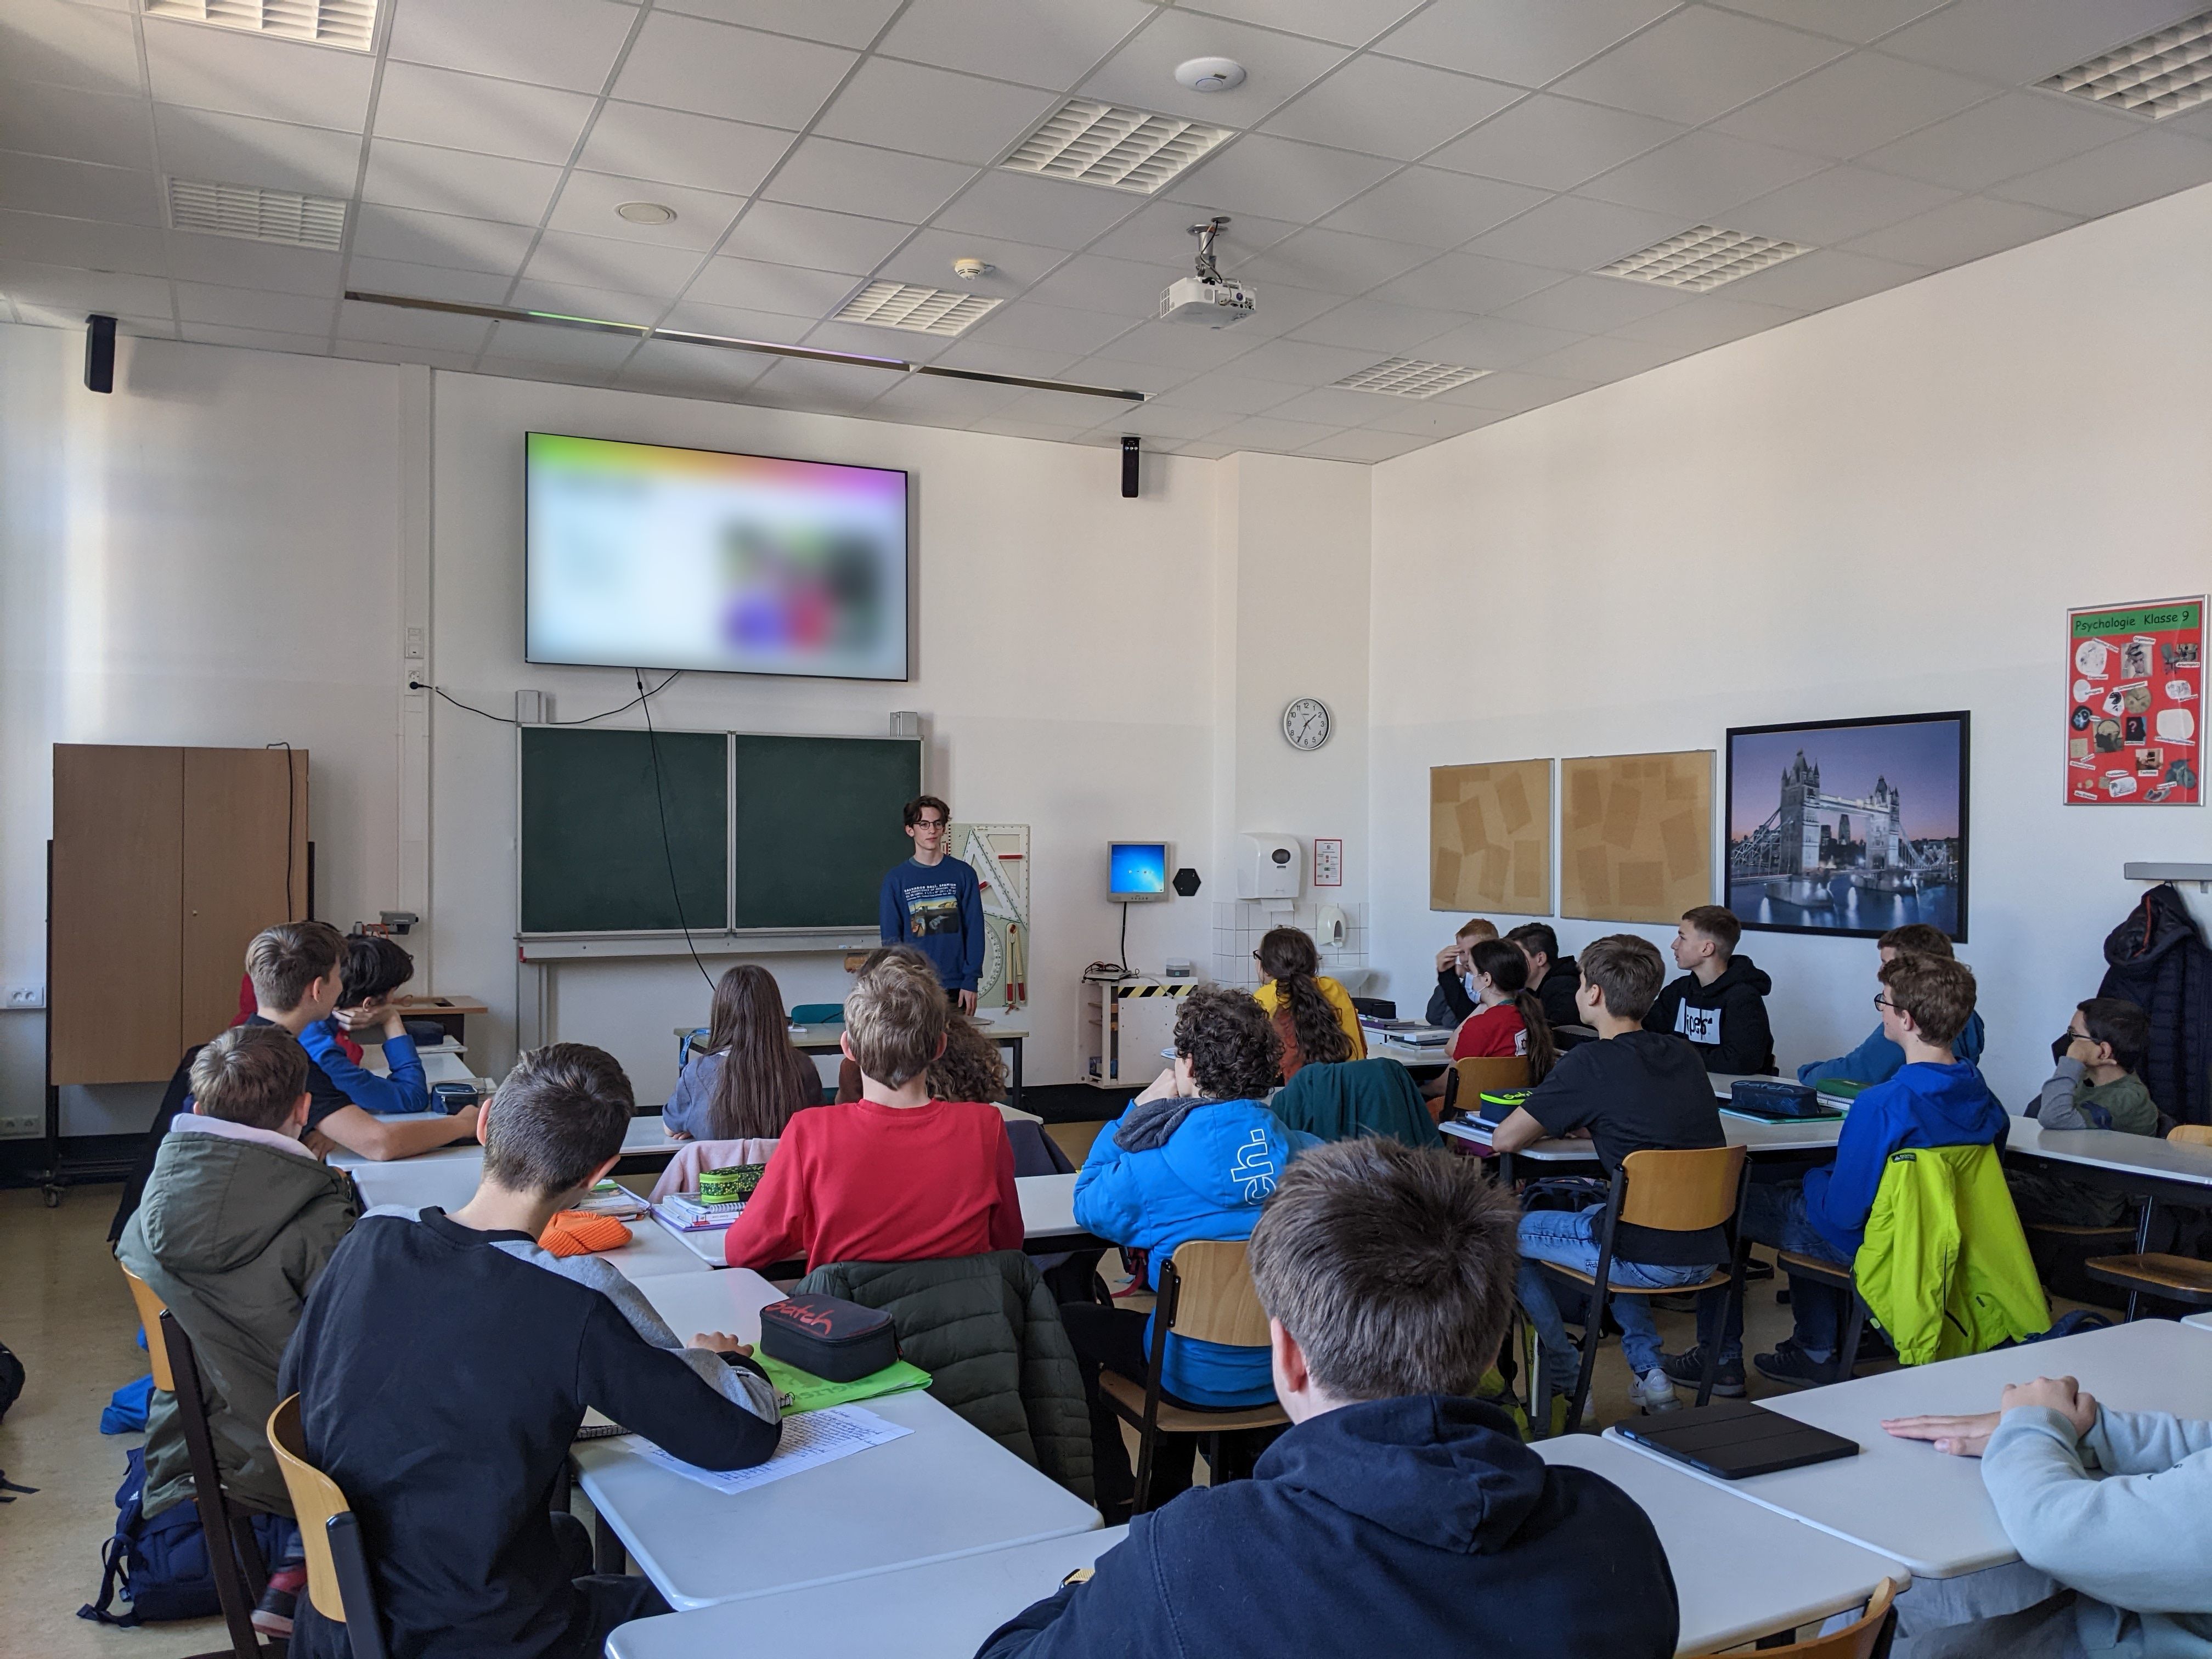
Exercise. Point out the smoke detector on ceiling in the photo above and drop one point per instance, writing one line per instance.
(1211, 74)
(970, 269)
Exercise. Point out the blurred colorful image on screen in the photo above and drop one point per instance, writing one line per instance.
(639, 555)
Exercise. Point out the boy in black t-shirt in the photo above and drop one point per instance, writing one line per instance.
(1636, 1090)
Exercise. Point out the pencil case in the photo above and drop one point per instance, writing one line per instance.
(1768, 1094)
(837, 1340)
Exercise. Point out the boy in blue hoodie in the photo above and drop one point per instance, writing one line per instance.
(1397, 1514)
(1194, 1157)
(372, 969)
(1936, 1099)
(1876, 1060)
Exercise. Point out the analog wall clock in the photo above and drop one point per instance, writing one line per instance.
(1306, 723)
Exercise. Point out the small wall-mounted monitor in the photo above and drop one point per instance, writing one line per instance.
(1136, 871)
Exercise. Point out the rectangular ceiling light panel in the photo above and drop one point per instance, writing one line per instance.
(349, 23)
(1409, 377)
(2162, 74)
(1120, 148)
(257, 215)
(1702, 257)
(916, 309)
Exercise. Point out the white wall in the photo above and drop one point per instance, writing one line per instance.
(1063, 646)
(209, 555)
(1882, 509)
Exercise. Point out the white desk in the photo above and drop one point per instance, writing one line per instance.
(1740, 1575)
(645, 1137)
(1905, 1499)
(1817, 1136)
(2199, 1322)
(448, 1183)
(943, 1491)
(1047, 1215)
(941, 1611)
(2172, 1168)
(1009, 1031)
(441, 1064)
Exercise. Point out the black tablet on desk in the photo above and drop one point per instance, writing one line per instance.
(1737, 1440)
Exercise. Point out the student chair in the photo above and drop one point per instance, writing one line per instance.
(1867, 1638)
(1675, 1192)
(2191, 1134)
(239, 1572)
(2149, 1273)
(1836, 1275)
(1206, 1294)
(1467, 1080)
(818, 1013)
(339, 1583)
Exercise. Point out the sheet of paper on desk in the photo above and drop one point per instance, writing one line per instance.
(808, 1441)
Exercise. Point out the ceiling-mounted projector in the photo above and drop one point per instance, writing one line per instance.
(1208, 299)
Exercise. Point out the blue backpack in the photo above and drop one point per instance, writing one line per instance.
(161, 1564)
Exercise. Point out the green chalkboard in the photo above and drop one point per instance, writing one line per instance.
(817, 826)
(593, 859)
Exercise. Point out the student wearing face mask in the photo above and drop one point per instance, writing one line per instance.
(1452, 999)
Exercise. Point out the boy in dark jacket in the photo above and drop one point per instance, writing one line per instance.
(1397, 1516)
(238, 1221)
(1451, 1002)
(1552, 977)
(1935, 1100)
(444, 1364)
(1720, 1002)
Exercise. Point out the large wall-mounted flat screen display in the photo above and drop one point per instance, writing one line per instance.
(640, 555)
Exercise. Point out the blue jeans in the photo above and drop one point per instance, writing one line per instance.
(1570, 1239)
(1774, 1215)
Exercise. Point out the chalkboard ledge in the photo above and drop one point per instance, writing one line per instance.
(747, 942)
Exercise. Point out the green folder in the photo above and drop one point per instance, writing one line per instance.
(810, 1393)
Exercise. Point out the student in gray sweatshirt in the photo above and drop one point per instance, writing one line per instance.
(2116, 1506)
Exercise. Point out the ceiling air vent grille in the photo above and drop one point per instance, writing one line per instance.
(258, 215)
(916, 309)
(349, 23)
(1702, 257)
(1408, 377)
(1120, 148)
(2162, 74)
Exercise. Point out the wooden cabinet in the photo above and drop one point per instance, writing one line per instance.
(165, 863)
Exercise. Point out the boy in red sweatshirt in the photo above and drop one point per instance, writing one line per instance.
(894, 1176)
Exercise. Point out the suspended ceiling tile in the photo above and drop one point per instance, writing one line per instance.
(1592, 305)
(933, 112)
(1024, 208)
(1042, 43)
(1513, 390)
(1857, 21)
(24, 281)
(69, 45)
(786, 289)
(553, 43)
(1382, 106)
(237, 149)
(1228, 391)
(781, 234)
(258, 75)
(1553, 143)
(1698, 63)
(587, 202)
(257, 339)
(1039, 327)
(1466, 281)
(1368, 447)
(1160, 232)
(1497, 343)
(605, 262)
(2016, 42)
(712, 69)
(455, 182)
(425, 106)
(841, 22)
(2016, 133)
(1278, 179)
(1335, 262)
(1141, 72)
(238, 263)
(454, 242)
(1528, 42)
(1376, 325)
(73, 125)
(1706, 321)
(881, 184)
(1347, 22)
(2137, 169)
(1015, 266)
(1846, 108)
(732, 157)
(1603, 358)
(1699, 176)
(1571, 232)
(1835, 205)
(1972, 227)
(94, 244)
(1824, 277)
(1093, 283)
(245, 307)
(1433, 207)
(426, 281)
(40, 184)
(1268, 435)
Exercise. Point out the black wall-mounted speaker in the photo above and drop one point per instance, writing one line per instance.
(99, 354)
(1129, 465)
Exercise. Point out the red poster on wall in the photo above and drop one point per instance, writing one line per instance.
(2135, 676)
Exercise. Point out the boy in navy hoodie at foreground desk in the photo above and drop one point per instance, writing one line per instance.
(1398, 1516)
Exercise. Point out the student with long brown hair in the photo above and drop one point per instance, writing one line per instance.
(1508, 1018)
(751, 1079)
(1313, 1014)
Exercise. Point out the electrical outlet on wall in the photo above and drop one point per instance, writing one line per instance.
(25, 996)
(26, 1123)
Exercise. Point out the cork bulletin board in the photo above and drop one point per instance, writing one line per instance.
(1636, 835)
(1490, 837)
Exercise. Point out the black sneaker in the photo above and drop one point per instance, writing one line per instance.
(280, 1602)
(1790, 1364)
(1689, 1369)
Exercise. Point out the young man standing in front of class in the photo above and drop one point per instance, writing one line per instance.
(1635, 1091)
(1936, 1099)
(935, 904)
(1719, 1004)
(297, 970)
(1398, 1515)
(444, 1364)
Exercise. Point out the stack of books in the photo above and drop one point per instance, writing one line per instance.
(1408, 1033)
(612, 1197)
(687, 1212)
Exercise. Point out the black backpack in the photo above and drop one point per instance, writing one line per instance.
(11, 1379)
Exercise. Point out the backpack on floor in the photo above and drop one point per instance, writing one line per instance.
(11, 1379)
(161, 1564)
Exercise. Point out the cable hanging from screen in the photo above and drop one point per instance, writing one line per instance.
(637, 702)
(667, 848)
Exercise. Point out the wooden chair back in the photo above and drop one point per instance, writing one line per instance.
(315, 1499)
(150, 1309)
(1869, 1638)
(1682, 1192)
(1214, 1300)
(1493, 1072)
(2191, 1134)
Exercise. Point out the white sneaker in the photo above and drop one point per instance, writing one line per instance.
(1655, 1392)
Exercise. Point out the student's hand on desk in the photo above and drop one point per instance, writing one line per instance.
(318, 1143)
(721, 1342)
(2061, 1394)
(1961, 1437)
(967, 1002)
